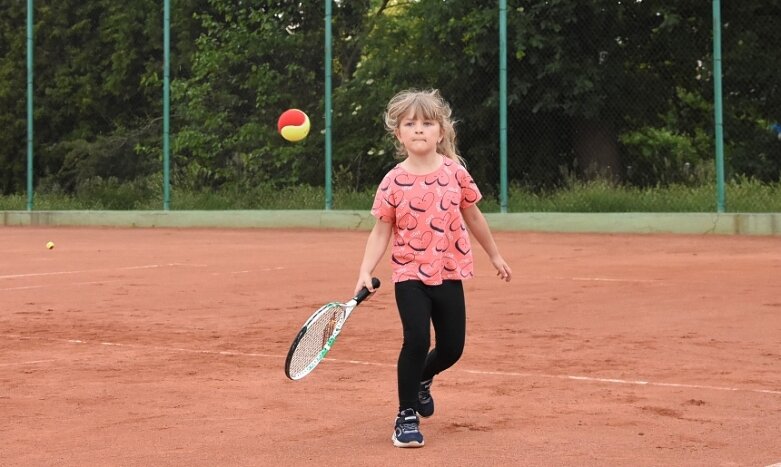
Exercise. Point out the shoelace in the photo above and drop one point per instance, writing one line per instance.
(409, 427)
(409, 424)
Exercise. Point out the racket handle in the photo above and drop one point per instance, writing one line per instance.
(364, 292)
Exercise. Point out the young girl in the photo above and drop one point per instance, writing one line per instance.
(426, 203)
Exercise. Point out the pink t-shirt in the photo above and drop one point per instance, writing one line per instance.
(430, 240)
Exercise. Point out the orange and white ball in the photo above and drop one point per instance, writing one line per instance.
(293, 125)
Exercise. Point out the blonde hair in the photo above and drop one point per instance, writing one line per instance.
(427, 104)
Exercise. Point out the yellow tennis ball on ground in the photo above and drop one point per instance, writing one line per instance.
(50, 245)
(293, 125)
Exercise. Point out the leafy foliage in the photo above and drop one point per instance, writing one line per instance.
(252, 62)
(96, 87)
(620, 92)
(746, 195)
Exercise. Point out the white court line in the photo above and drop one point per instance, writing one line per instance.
(608, 279)
(388, 365)
(50, 285)
(127, 268)
(595, 279)
(31, 362)
(278, 268)
(180, 349)
(624, 381)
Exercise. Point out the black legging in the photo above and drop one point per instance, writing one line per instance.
(419, 305)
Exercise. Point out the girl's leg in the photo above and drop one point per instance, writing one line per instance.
(414, 304)
(448, 314)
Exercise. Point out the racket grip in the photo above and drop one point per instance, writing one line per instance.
(364, 292)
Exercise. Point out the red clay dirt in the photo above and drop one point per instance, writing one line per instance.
(166, 347)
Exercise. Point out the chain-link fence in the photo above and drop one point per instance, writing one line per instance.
(609, 104)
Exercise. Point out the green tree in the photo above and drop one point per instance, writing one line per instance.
(448, 46)
(252, 62)
(12, 98)
(622, 89)
(752, 98)
(590, 85)
(97, 87)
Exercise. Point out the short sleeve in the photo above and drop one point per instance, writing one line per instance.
(470, 194)
(382, 208)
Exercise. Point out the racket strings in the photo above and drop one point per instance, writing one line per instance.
(316, 338)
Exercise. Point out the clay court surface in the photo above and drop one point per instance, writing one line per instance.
(166, 347)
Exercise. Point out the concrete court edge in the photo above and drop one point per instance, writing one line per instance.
(675, 223)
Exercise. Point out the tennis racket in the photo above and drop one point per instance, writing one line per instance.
(318, 334)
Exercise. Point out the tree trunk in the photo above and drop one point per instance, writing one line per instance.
(596, 150)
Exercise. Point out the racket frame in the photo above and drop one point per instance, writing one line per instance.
(346, 310)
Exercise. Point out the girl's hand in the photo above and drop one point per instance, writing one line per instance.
(503, 270)
(364, 280)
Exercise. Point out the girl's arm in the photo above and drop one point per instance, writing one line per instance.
(478, 226)
(375, 248)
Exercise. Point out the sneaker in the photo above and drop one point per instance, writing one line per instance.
(407, 434)
(425, 401)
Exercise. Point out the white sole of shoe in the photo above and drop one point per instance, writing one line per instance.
(413, 444)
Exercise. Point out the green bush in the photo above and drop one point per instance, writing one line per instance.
(658, 156)
(742, 195)
(111, 194)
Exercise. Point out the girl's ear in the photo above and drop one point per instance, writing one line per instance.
(397, 134)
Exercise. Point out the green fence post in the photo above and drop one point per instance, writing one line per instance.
(329, 201)
(166, 104)
(718, 106)
(503, 105)
(30, 118)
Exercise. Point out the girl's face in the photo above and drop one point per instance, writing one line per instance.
(418, 135)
